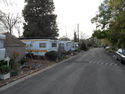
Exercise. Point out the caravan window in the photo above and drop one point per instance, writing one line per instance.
(54, 44)
(1, 43)
(68, 44)
(61, 44)
(73, 46)
(28, 46)
(42, 45)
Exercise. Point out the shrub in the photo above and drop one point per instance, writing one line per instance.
(14, 73)
(5, 69)
(83, 46)
(15, 67)
(52, 55)
(67, 52)
(3, 62)
(29, 55)
(22, 61)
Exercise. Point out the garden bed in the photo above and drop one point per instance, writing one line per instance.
(31, 67)
(34, 66)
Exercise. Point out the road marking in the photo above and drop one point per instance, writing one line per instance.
(102, 63)
(90, 62)
(106, 64)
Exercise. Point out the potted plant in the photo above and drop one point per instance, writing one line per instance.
(4, 72)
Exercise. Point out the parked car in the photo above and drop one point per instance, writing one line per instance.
(120, 55)
(107, 47)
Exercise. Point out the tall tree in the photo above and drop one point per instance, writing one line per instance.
(111, 20)
(39, 19)
(75, 37)
(104, 16)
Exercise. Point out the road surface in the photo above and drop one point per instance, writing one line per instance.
(91, 72)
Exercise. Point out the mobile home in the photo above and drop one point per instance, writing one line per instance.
(40, 46)
(2, 49)
(69, 45)
(74, 46)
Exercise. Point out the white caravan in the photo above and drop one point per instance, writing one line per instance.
(66, 44)
(2, 49)
(40, 46)
(74, 46)
(69, 45)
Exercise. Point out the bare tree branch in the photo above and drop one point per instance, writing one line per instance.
(9, 21)
(8, 2)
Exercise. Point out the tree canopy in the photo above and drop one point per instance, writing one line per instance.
(39, 19)
(111, 20)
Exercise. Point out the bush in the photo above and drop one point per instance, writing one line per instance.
(83, 46)
(22, 61)
(5, 69)
(3, 62)
(67, 52)
(15, 67)
(29, 55)
(52, 55)
(14, 73)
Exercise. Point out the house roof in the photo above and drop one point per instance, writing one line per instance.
(12, 41)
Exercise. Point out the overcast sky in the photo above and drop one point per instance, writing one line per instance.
(69, 14)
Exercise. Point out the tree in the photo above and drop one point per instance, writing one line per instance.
(64, 38)
(75, 37)
(7, 2)
(110, 19)
(39, 19)
(18, 28)
(83, 45)
(9, 21)
(100, 34)
(103, 18)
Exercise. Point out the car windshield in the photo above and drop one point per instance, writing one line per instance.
(123, 51)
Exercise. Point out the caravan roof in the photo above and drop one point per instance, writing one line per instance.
(35, 39)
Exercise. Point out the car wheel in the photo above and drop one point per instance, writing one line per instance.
(123, 62)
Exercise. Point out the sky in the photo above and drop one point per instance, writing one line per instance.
(69, 14)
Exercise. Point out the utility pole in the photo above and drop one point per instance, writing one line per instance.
(66, 31)
(78, 31)
(81, 35)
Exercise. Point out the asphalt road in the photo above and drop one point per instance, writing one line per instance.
(91, 72)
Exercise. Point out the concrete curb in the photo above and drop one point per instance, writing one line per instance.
(31, 75)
